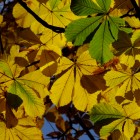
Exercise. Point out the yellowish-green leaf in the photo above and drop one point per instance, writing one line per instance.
(124, 122)
(127, 80)
(107, 129)
(31, 88)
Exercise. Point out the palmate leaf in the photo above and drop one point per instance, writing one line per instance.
(104, 27)
(56, 13)
(126, 80)
(69, 84)
(128, 48)
(31, 88)
(124, 116)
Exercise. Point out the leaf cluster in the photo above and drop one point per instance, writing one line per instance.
(74, 63)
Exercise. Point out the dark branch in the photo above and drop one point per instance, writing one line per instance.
(137, 9)
(128, 14)
(45, 24)
(33, 63)
(77, 118)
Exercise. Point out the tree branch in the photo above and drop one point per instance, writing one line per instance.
(84, 127)
(45, 24)
(137, 9)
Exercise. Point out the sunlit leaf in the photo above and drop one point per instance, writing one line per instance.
(25, 129)
(124, 118)
(126, 80)
(104, 29)
(56, 13)
(128, 48)
(23, 18)
(70, 88)
(29, 87)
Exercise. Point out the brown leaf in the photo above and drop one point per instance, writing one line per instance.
(52, 115)
(54, 134)
(11, 120)
(93, 83)
(60, 124)
(29, 36)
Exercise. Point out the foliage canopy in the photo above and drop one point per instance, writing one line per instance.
(71, 62)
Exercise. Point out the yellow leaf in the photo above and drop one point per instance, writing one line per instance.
(126, 80)
(133, 22)
(125, 123)
(128, 48)
(86, 64)
(23, 18)
(31, 88)
(65, 84)
(69, 84)
(56, 13)
(127, 60)
(49, 37)
(132, 111)
(107, 129)
(120, 7)
(2, 103)
(1, 19)
(82, 99)
(137, 134)
(129, 128)
(25, 130)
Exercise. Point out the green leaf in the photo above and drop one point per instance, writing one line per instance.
(104, 111)
(99, 46)
(114, 24)
(104, 4)
(84, 7)
(78, 30)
